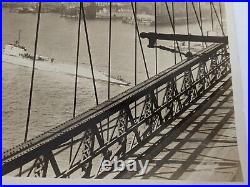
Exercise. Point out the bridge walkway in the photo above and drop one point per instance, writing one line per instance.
(204, 149)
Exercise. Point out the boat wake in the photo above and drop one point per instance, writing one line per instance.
(83, 72)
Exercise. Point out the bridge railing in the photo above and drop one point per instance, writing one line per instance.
(121, 125)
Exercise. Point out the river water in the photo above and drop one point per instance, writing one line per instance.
(53, 92)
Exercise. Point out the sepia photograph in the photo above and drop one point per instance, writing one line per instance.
(118, 90)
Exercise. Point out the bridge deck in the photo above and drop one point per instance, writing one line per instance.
(203, 150)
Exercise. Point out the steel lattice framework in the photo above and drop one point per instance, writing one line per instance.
(122, 123)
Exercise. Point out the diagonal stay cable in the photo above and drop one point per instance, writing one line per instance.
(173, 28)
(90, 60)
(89, 53)
(217, 16)
(221, 15)
(197, 18)
(199, 21)
(138, 34)
(93, 77)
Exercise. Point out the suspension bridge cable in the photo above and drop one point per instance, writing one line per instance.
(109, 59)
(90, 61)
(197, 18)
(156, 54)
(109, 52)
(89, 53)
(173, 28)
(138, 33)
(77, 58)
(211, 14)
(188, 31)
(175, 59)
(217, 16)
(201, 21)
(76, 72)
(135, 56)
(32, 79)
(221, 15)
(33, 73)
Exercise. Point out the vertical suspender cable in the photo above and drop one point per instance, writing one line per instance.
(156, 54)
(77, 58)
(32, 78)
(211, 14)
(138, 33)
(201, 21)
(33, 74)
(135, 57)
(109, 55)
(76, 72)
(175, 60)
(188, 32)
(109, 60)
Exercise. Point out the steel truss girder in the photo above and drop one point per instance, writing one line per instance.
(34, 148)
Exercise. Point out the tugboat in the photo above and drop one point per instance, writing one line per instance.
(17, 50)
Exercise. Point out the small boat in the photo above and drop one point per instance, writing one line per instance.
(17, 50)
(26, 10)
(142, 19)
